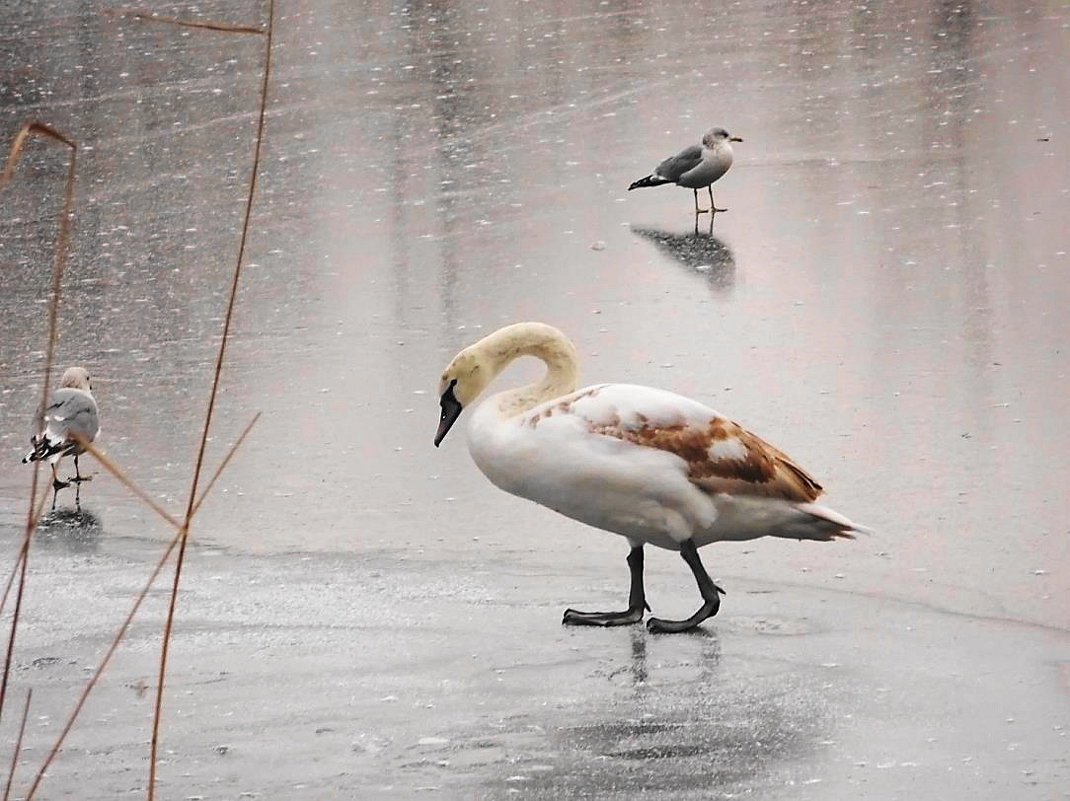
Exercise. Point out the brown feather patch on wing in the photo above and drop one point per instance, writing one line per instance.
(743, 464)
(561, 407)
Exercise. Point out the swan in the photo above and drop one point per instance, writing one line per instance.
(71, 413)
(695, 167)
(655, 467)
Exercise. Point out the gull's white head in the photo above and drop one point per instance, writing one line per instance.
(76, 378)
(718, 136)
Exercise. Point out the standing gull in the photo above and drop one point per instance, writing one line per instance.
(71, 414)
(695, 167)
(654, 467)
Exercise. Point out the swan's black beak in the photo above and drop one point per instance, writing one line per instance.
(734, 139)
(451, 410)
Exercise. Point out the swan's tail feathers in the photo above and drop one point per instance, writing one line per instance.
(742, 518)
(824, 524)
(45, 448)
(651, 180)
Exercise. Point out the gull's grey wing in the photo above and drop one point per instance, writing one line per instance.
(672, 168)
(71, 410)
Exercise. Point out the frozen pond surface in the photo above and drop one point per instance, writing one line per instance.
(885, 299)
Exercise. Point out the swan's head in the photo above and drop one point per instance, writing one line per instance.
(471, 370)
(462, 382)
(75, 378)
(717, 136)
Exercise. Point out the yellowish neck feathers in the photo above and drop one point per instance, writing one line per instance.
(476, 366)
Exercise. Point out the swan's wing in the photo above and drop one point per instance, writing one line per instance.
(720, 455)
(672, 168)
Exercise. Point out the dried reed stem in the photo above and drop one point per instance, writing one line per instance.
(148, 16)
(59, 264)
(18, 745)
(54, 751)
(103, 664)
(27, 130)
(125, 480)
(184, 533)
(22, 552)
(226, 460)
(35, 510)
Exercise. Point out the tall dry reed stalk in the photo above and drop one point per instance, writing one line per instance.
(194, 499)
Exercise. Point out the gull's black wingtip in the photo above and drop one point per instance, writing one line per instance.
(649, 180)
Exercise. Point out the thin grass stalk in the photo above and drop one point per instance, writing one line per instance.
(18, 745)
(102, 666)
(59, 264)
(125, 480)
(184, 534)
(29, 128)
(116, 471)
(34, 514)
(22, 552)
(148, 16)
(120, 635)
(226, 460)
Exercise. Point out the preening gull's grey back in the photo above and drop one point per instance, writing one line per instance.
(71, 411)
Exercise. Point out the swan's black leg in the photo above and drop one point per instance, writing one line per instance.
(636, 600)
(711, 595)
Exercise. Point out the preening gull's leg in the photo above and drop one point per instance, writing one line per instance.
(57, 485)
(78, 477)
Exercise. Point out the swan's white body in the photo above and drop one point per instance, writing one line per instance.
(649, 465)
(560, 455)
(644, 463)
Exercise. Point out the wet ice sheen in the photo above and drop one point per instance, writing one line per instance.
(421, 205)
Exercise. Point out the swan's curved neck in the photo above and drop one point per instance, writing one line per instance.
(543, 342)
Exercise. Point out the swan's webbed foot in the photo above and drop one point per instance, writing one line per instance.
(636, 600)
(573, 617)
(711, 596)
(657, 625)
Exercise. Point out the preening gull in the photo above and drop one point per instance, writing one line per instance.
(71, 413)
(695, 167)
(652, 466)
